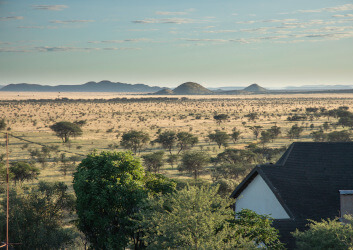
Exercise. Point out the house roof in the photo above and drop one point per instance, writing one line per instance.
(307, 178)
(306, 181)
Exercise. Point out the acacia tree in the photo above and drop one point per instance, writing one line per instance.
(167, 139)
(23, 171)
(153, 161)
(172, 159)
(134, 140)
(219, 137)
(235, 135)
(186, 141)
(295, 132)
(65, 130)
(339, 136)
(256, 131)
(220, 118)
(193, 162)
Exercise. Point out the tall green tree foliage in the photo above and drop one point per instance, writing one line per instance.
(197, 217)
(110, 187)
(36, 217)
(326, 234)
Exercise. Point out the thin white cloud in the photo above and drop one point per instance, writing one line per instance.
(71, 21)
(170, 13)
(204, 40)
(220, 31)
(246, 22)
(37, 27)
(61, 49)
(122, 41)
(9, 18)
(346, 15)
(166, 20)
(344, 7)
(50, 7)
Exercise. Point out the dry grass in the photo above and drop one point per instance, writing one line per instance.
(31, 120)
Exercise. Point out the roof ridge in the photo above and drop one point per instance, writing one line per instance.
(285, 156)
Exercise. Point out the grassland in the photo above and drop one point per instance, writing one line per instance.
(106, 121)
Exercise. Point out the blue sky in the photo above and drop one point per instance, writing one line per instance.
(274, 43)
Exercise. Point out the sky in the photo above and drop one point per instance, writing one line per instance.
(273, 43)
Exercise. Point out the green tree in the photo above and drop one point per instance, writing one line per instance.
(153, 161)
(110, 187)
(339, 136)
(220, 118)
(266, 137)
(65, 130)
(197, 217)
(193, 162)
(257, 228)
(326, 126)
(275, 132)
(2, 124)
(326, 234)
(23, 171)
(220, 138)
(252, 116)
(346, 121)
(235, 135)
(167, 139)
(134, 140)
(236, 156)
(295, 131)
(36, 217)
(256, 131)
(186, 141)
(318, 136)
(172, 159)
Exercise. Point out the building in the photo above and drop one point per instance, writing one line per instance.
(305, 183)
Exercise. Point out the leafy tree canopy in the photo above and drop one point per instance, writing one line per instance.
(220, 137)
(186, 141)
(134, 140)
(22, 171)
(197, 217)
(326, 234)
(194, 162)
(36, 217)
(65, 130)
(110, 187)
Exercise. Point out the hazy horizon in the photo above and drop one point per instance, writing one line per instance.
(275, 44)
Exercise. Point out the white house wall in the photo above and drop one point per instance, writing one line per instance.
(258, 197)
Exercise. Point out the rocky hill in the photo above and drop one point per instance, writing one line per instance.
(191, 88)
(255, 88)
(164, 91)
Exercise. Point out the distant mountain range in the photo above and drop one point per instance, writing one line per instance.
(102, 86)
(188, 88)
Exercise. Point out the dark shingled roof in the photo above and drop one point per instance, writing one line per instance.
(306, 180)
